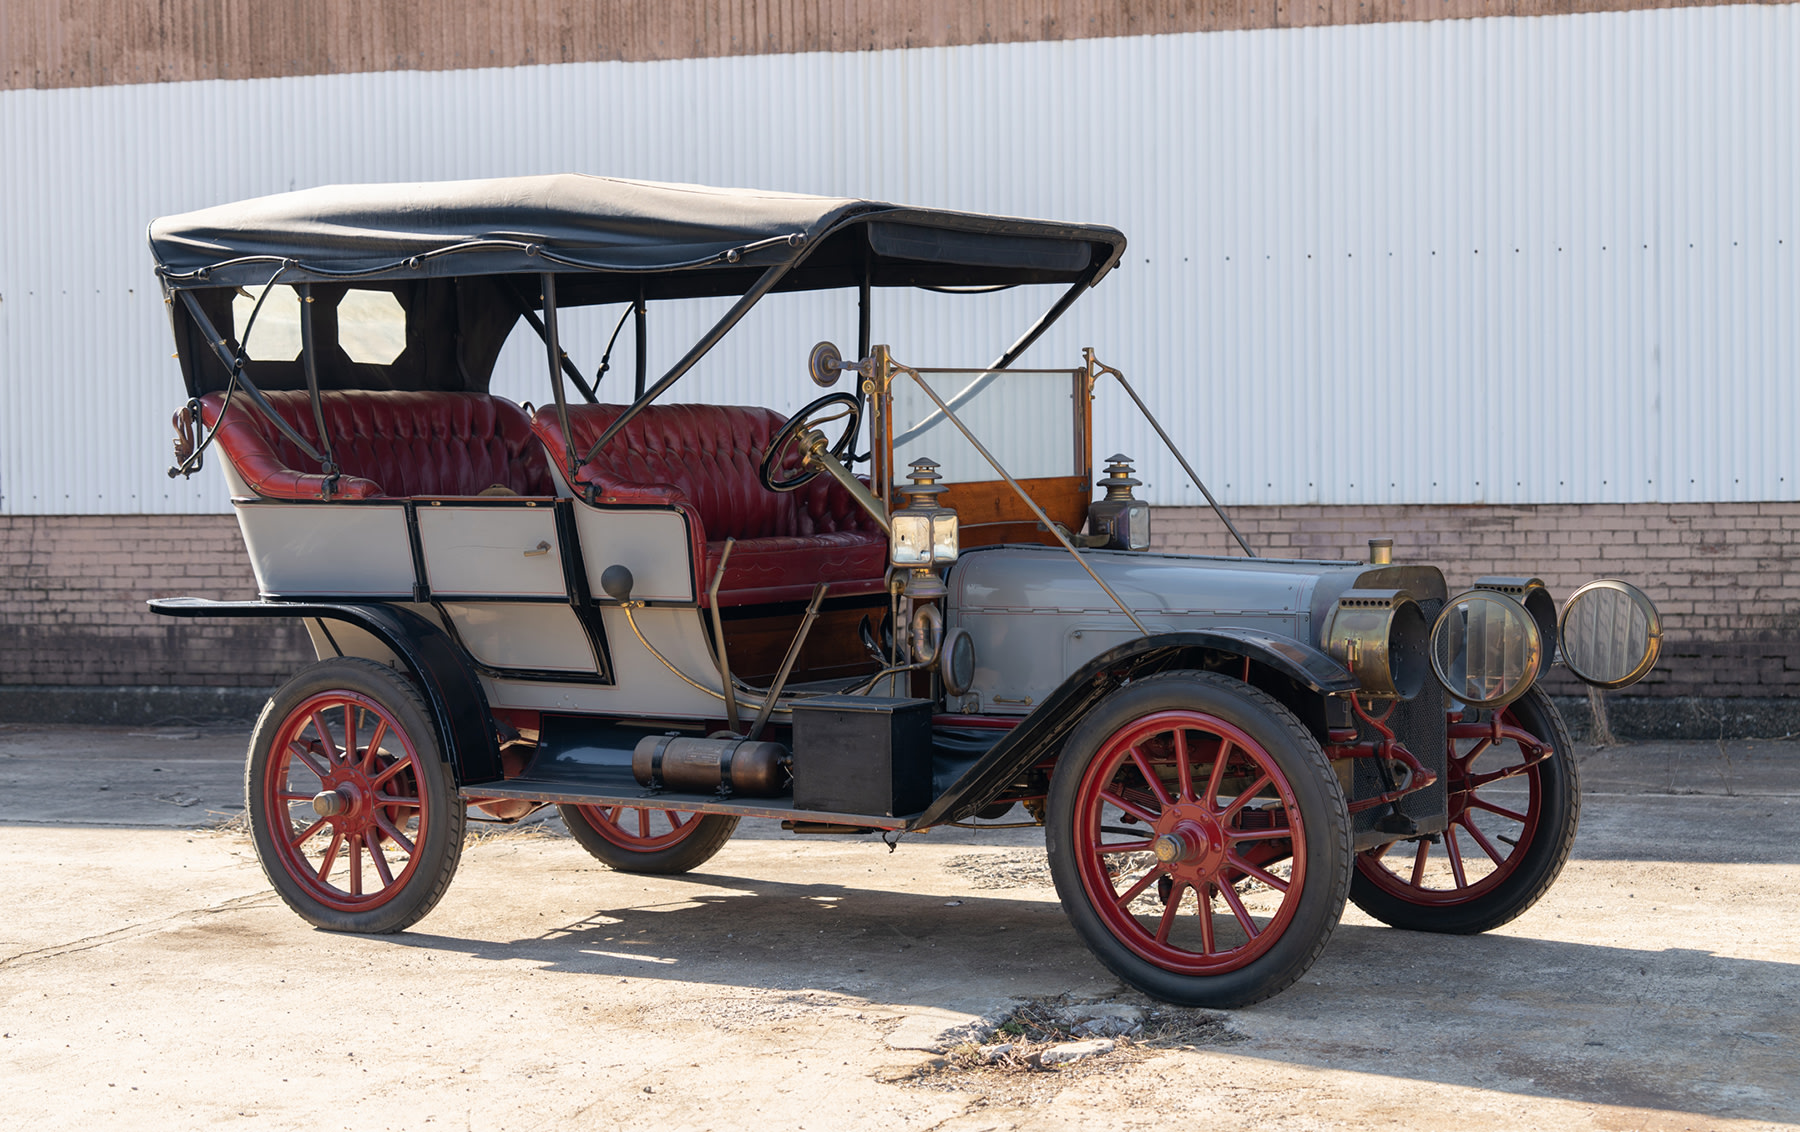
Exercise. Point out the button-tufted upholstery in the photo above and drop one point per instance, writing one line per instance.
(703, 460)
(387, 443)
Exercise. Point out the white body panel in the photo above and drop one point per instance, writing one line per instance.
(653, 545)
(536, 635)
(328, 550)
(644, 686)
(491, 550)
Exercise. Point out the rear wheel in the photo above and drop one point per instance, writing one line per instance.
(353, 811)
(639, 840)
(1198, 839)
(1514, 806)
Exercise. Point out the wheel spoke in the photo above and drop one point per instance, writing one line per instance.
(387, 775)
(643, 823)
(1477, 803)
(393, 834)
(1238, 910)
(1480, 839)
(310, 830)
(296, 747)
(1256, 873)
(1150, 776)
(1456, 863)
(374, 749)
(1169, 910)
(294, 797)
(1418, 872)
(330, 858)
(1143, 882)
(1184, 770)
(1243, 799)
(1123, 847)
(379, 860)
(1135, 811)
(1475, 781)
(325, 738)
(1216, 779)
(674, 819)
(1204, 895)
(356, 864)
(350, 714)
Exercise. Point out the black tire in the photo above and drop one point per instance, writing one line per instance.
(1091, 765)
(392, 778)
(678, 850)
(1553, 789)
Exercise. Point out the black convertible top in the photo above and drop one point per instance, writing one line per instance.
(677, 240)
(466, 260)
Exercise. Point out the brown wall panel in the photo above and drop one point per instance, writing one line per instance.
(77, 43)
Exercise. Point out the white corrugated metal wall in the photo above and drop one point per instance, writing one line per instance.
(1487, 261)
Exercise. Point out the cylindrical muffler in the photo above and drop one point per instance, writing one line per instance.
(731, 766)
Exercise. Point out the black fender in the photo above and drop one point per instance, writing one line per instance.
(1296, 673)
(452, 691)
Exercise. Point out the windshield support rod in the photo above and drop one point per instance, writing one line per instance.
(554, 349)
(235, 367)
(699, 350)
(1174, 451)
(1045, 323)
(862, 308)
(567, 366)
(309, 362)
(637, 325)
(986, 377)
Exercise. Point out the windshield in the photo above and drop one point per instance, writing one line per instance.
(1031, 422)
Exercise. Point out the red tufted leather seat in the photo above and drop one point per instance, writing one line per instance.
(703, 460)
(387, 443)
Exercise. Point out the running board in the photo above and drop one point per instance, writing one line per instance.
(611, 792)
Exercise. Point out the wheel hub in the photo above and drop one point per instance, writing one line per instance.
(330, 804)
(1190, 842)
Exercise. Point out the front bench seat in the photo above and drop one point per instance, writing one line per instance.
(703, 460)
(388, 443)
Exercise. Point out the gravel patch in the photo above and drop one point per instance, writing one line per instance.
(1003, 868)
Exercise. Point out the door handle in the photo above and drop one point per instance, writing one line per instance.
(543, 548)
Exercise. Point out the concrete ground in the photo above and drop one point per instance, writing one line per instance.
(150, 978)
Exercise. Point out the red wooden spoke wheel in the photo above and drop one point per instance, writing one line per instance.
(354, 815)
(347, 778)
(1199, 840)
(643, 840)
(1178, 811)
(1514, 803)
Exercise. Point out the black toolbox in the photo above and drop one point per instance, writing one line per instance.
(862, 755)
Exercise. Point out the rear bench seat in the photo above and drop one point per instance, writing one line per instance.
(703, 460)
(387, 443)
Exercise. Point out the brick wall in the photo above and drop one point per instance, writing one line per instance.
(1724, 575)
(72, 604)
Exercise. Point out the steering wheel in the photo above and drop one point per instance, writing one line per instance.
(797, 425)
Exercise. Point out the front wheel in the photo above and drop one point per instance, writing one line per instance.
(1199, 840)
(353, 811)
(1514, 804)
(634, 840)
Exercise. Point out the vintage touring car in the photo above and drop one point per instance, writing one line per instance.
(663, 617)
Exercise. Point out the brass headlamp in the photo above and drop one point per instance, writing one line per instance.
(1380, 636)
